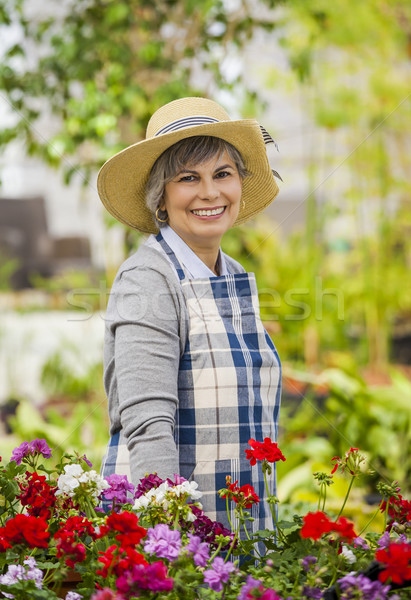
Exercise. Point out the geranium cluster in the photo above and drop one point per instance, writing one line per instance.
(317, 524)
(154, 540)
(244, 496)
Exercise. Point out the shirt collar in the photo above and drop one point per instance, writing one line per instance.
(192, 263)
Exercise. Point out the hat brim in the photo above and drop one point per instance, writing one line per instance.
(122, 180)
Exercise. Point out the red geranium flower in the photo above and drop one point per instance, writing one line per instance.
(351, 462)
(315, 525)
(244, 496)
(397, 558)
(399, 509)
(24, 529)
(118, 560)
(345, 528)
(126, 523)
(4, 545)
(267, 450)
(37, 495)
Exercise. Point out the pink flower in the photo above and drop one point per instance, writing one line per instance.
(163, 542)
(119, 487)
(218, 574)
(146, 577)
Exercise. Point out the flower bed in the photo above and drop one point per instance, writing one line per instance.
(154, 541)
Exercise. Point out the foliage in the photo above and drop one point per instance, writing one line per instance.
(171, 548)
(102, 68)
(351, 66)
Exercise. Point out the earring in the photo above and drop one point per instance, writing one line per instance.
(242, 204)
(158, 218)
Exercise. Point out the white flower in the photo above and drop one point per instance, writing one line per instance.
(69, 480)
(74, 476)
(98, 483)
(190, 516)
(74, 470)
(141, 502)
(190, 488)
(348, 555)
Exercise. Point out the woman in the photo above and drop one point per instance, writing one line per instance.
(190, 373)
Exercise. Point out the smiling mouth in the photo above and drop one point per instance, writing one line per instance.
(209, 212)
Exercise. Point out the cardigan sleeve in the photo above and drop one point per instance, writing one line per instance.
(142, 354)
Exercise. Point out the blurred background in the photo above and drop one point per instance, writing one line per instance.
(331, 82)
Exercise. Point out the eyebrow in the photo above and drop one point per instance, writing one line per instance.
(221, 168)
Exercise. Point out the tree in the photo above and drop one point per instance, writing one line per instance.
(97, 69)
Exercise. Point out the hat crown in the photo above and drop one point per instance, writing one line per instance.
(182, 109)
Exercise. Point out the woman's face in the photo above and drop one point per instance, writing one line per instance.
(203, 201)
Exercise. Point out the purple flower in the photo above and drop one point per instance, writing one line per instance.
(86, 460)
(307, 561)
(199, 550)
(40, 446)
(249, 585)
(360, 542)
(119, 486)
(384, 540)
(353, 586)
(17, 573)
(21, 452)
(151, 481)
(163, 542)
(73, 596)
(311, 592)
(218, 574)
(37, 446)
(208, 530)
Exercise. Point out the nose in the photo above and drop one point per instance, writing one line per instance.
(208, 189)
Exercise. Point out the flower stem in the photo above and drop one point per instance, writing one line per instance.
(371, 520)
(228, 512)
(386, 514)
(233, 542)
(175, 524)
(346, 496)
(273, 513)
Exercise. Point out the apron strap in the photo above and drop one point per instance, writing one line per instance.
(171, 256)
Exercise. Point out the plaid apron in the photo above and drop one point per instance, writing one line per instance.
(229, 388)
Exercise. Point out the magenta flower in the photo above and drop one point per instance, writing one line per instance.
(178, 480)
(218, 574)
(147, 483)
(250, 585)
(105, 594)
(146, 577)
(119, 486)
(198, 549)
(37, 446)
(163, 542)
(270, 595)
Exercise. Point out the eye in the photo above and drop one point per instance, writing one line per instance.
(187, 178)
(222, 174)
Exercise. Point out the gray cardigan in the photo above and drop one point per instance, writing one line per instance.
(146, 334)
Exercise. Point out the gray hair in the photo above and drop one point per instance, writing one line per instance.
(187, 152)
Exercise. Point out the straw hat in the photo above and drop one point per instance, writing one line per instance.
(122, 179)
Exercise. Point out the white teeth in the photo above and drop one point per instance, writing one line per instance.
(208, 213)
